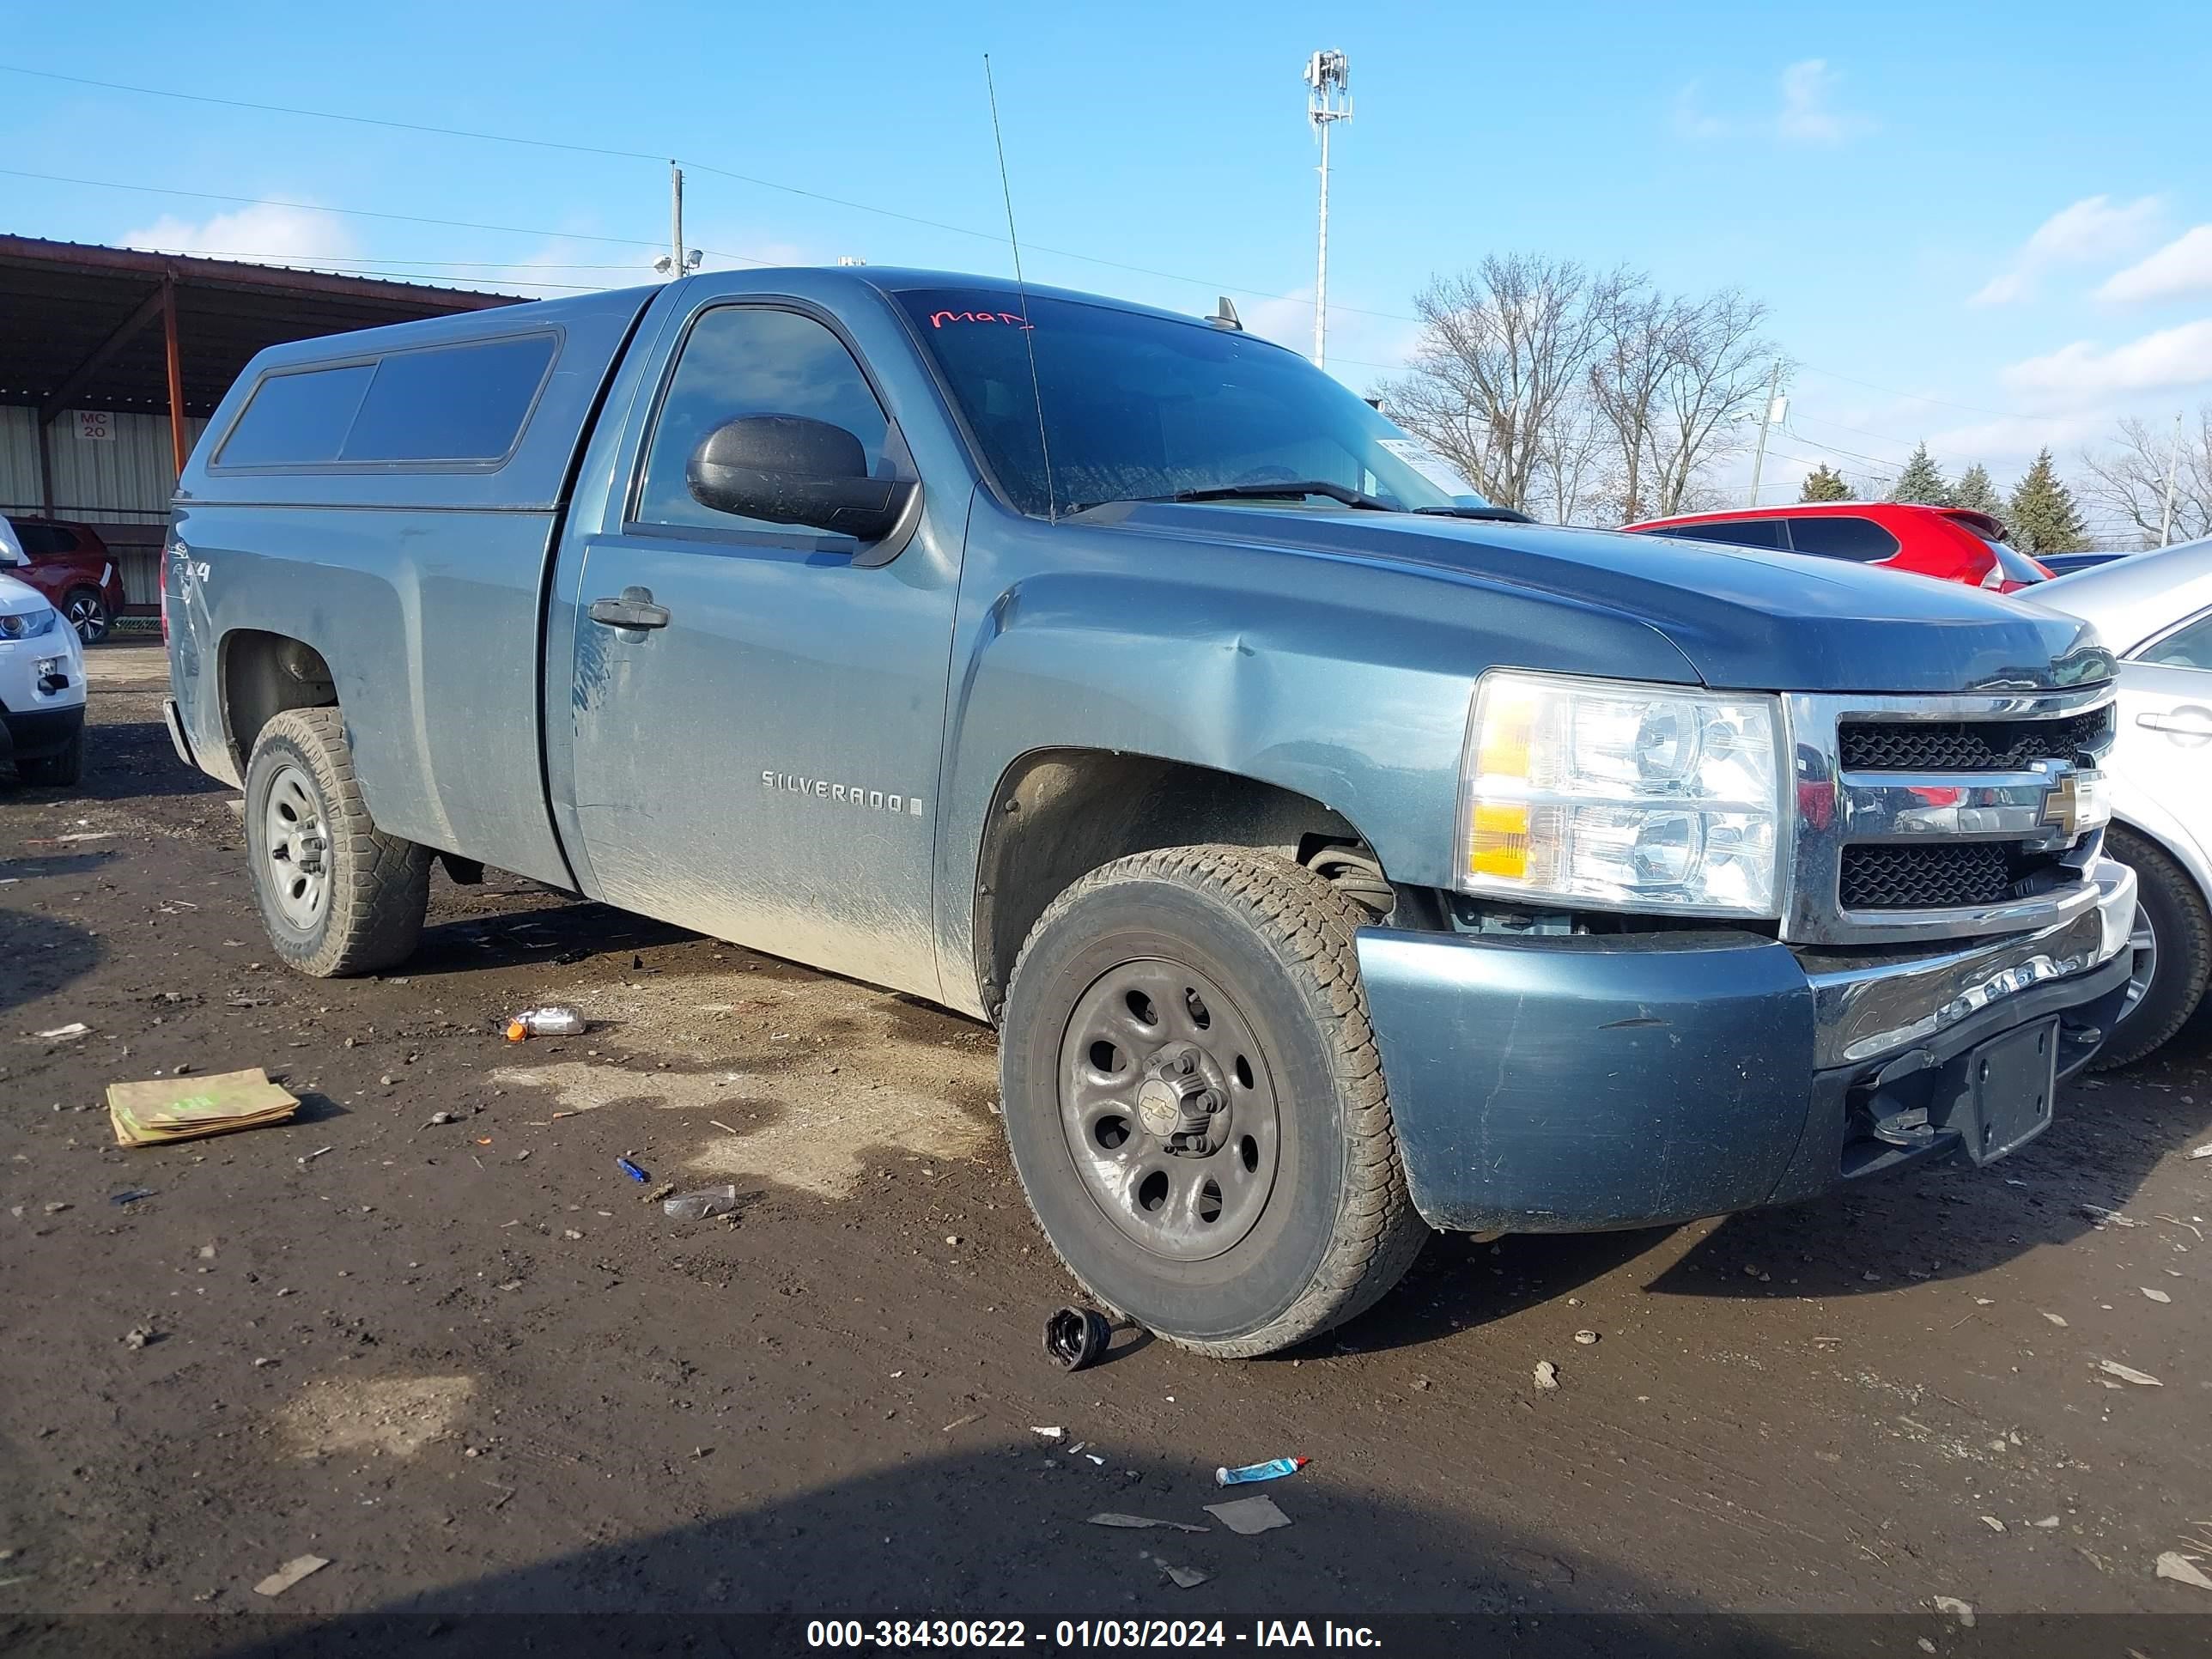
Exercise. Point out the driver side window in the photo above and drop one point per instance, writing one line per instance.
(742, 360)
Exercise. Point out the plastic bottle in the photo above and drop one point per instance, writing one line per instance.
(550, 1021)
(701, 1205)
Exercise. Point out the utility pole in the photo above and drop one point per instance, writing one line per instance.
(1329, 101)
(675, 220)
(2172, 466)
(1765, 420)
(677, 262)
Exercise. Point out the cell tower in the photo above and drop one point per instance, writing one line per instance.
(1329, 101)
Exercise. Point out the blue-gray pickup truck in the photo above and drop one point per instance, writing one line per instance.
(1338, 858)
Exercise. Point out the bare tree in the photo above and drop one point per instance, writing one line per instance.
(2127, 480)
(1718, 367)
(1576, 474)
(1631, 364)
(1504, 352)
(1569, 394)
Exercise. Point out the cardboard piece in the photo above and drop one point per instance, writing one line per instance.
(164, 1110)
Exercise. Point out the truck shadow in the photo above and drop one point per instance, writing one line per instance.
(529, 930)
(40, 955)
(1460, 1284)
(1952, 1221)
(131, 760)
(990, 1534)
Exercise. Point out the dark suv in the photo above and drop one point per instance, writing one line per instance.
(71, 565)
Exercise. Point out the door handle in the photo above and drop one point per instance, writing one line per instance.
(2194, 724)
(635, 609)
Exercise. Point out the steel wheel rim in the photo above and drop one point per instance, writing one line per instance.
(2143, 966)
(297, 852)
(89, 618)
(1187, 1201)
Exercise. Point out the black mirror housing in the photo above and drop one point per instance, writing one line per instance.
(787, 469)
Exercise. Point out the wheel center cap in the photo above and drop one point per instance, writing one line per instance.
(1160, 1105)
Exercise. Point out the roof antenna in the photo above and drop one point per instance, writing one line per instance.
(1029, 328)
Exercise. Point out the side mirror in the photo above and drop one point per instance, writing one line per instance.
(786, 469)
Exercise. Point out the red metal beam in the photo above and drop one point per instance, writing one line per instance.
(177, 446)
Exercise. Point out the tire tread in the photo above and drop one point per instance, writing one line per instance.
(1312, 927)
(380, 883)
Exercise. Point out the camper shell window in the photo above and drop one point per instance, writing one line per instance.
(451, 405)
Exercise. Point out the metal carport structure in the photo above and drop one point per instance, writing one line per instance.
(150, 341)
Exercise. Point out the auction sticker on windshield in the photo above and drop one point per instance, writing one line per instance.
(1429, 464)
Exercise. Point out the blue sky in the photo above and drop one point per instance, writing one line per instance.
(1984, 226)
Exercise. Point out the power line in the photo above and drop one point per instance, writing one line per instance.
(361, 213)
(319, 260)
(1918, 397)
(639, 156)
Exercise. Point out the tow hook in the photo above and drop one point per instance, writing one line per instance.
(1910, 1127)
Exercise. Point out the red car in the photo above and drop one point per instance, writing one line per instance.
(70, 565)
(1953, 543)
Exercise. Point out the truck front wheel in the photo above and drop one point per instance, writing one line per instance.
(338, 894)
(1194, 1102)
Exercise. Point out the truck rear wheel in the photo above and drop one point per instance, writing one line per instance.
(338, 894)
(1194, 1102)
(2171, 947)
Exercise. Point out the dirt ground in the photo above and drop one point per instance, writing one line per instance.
(467, 1364)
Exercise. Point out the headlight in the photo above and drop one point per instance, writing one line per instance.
(1631, 797)
(28, 624)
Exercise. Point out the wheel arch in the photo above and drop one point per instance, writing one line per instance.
(262, 674)
(2164, 832)
(1059, 813)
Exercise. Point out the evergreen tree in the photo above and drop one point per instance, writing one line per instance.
(1975, 490)
(1922, 481)
(1824, 483)
(2042, 517)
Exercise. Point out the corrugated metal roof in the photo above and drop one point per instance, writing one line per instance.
(62, 304)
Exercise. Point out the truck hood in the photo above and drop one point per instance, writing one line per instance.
(1746, 619)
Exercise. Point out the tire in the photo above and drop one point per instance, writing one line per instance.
(2172, 944)
(1311, 1221)
(85, 609)
(60, 770)
(352, 905)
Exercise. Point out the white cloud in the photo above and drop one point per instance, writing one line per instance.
(2095, 228)
(1690, 117)
(2181, 268)
(2171, 357)
(2001, 289)
(1807, 113)
(2006, 444)
(266, 231)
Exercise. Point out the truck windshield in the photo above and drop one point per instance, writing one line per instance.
(1141, 407)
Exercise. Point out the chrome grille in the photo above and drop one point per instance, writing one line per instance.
(1939, 818)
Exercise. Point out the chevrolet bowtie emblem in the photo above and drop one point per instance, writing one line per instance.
(2062, 805)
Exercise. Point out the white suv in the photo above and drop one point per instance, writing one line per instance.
(41, 688)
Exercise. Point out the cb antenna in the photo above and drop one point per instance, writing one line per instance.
(1029, 328)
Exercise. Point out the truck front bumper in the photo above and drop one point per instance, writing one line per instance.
(1576, 1083)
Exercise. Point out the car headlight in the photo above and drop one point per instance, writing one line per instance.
(28, 624)
(1625, 796)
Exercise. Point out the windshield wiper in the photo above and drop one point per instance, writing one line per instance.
(1259, 492)
(1495, 514)
(1288, 489)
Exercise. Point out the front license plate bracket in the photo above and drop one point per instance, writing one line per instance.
(2010, 1086)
